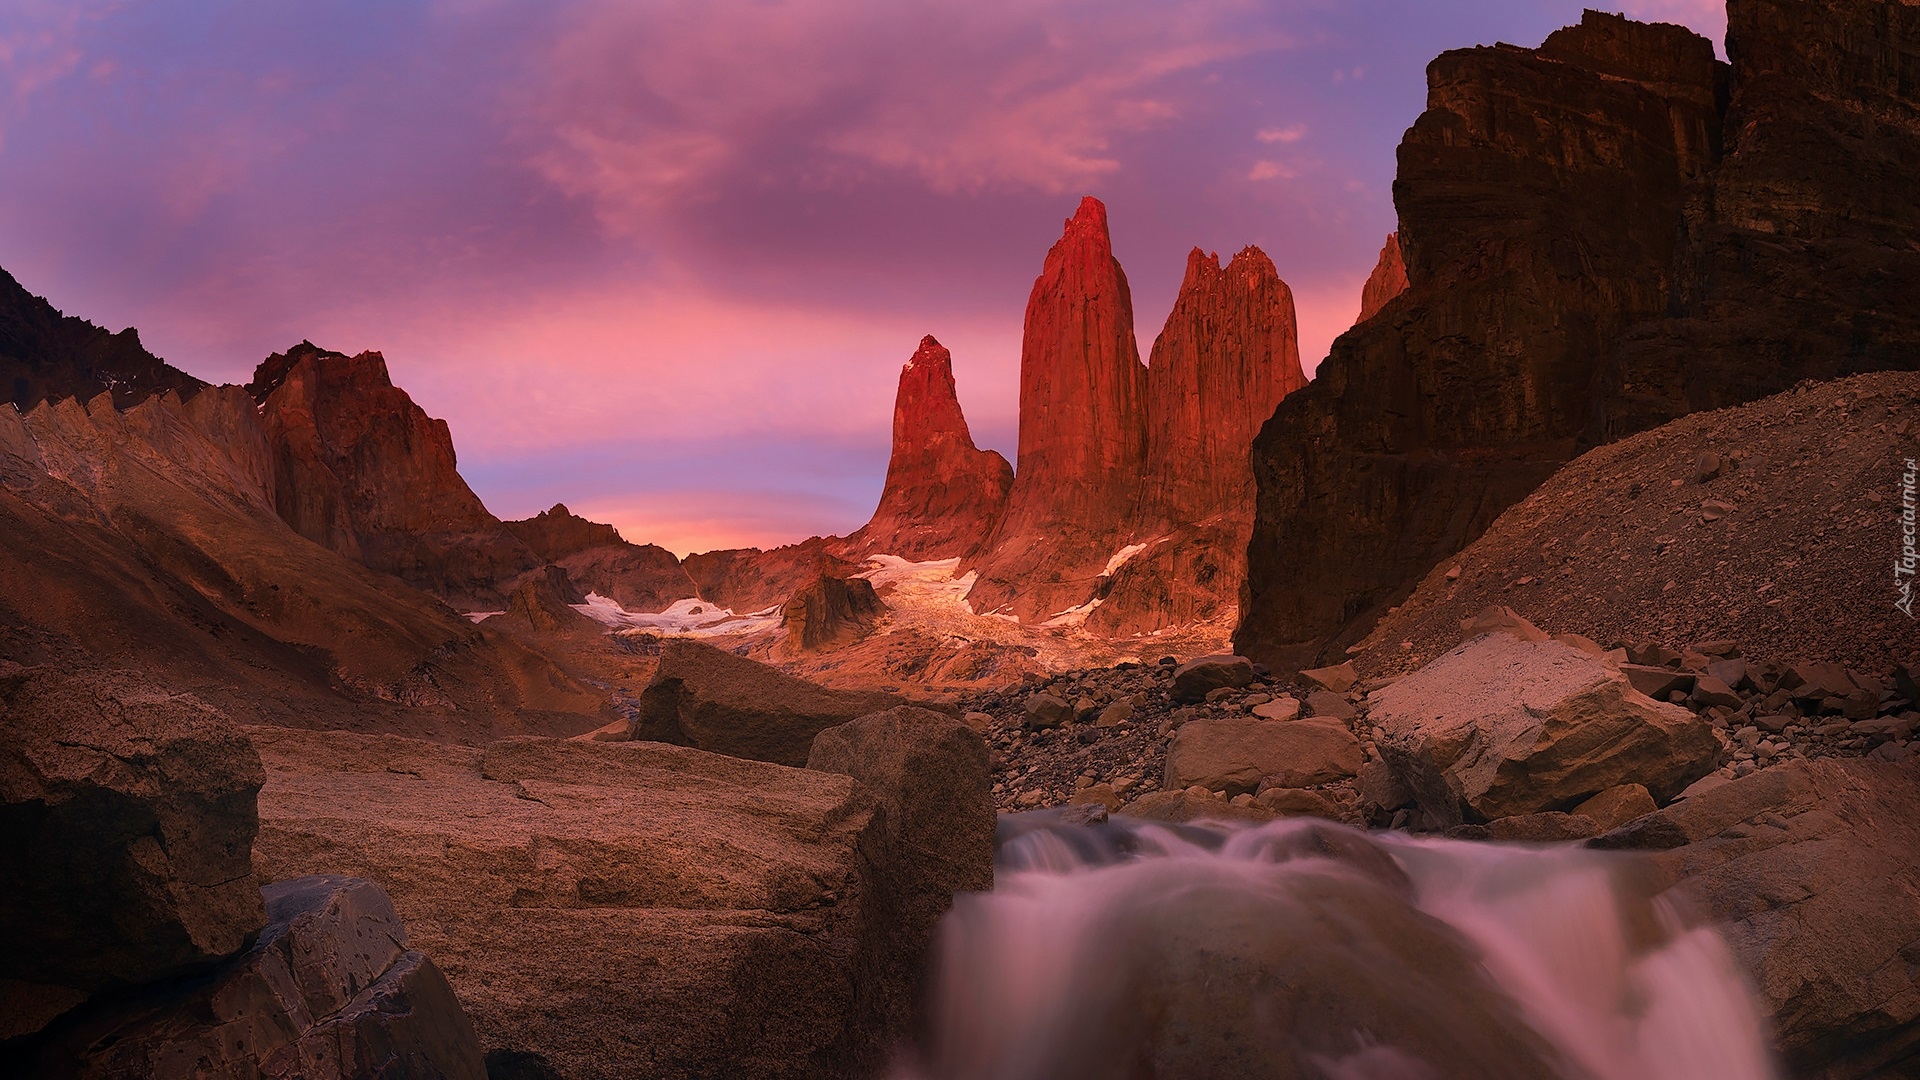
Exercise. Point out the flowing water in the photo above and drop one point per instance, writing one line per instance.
(1128, 950)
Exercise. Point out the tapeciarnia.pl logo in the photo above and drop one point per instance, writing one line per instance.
(1903, 567)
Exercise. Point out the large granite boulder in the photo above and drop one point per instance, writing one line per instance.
(1235, 754)
(1502, 726)
(830, 611)
(126, 823)
(705, 697)
(621, 909)
(1812, 869)
(329, 992)
(935, 827)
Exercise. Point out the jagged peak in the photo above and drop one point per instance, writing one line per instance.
(930, 349)
(273, 371)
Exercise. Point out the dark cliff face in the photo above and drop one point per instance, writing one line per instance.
(46, 355)
(1599, 235)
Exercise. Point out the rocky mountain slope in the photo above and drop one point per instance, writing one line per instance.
(1599, 235)
(45, 354)
(1776, 523)
(148, 539)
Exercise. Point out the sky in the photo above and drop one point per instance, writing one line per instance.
(662, 261)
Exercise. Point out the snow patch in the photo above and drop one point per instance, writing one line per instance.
(481, 616)
(690, 618)
(1119, 559)
(1076, 615)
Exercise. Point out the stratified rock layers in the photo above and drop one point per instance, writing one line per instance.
(943, 494)
(1588, 255)
(1083, 432)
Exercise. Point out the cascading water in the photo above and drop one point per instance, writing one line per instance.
(1301, 949)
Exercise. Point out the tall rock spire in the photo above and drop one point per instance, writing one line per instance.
(1227, 355)
(1083, 431)
(1229, 352)
(943, 494)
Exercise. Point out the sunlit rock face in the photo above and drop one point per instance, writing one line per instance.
(1227, 355)
(1599, 235)
(363, 470)
(943, 494)
(1083, 431)
(1130, 502)
(1388, 279)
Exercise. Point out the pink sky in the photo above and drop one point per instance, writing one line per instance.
(663, 261)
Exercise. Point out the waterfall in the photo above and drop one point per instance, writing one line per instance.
(1130, 950)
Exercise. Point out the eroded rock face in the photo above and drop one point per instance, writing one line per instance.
(1501, 727)
(613, 910)
(543, 602)
(363, 470)
(727, 704)
(749, 579)
(128, 817)
(942, 494)
(1809, 870)
(1083, 434)
(329, 992)
(830, 611)
(1388, 279)
(1591, 232)
(638, 577)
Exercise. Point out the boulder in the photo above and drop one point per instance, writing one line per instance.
(830, 611)
(1284, 707)
(126, 825)
(1047, 710)
(1616, 806)
(1810, 868)
(1295, 802)
(1657, 682)
(1339, 678)
(329, 992)
(701, 696)
(1501, 726)
(936, 821)
(1329, 705)
(622, 909)
(1195, 678)
(1709, 691)
(1235, 754)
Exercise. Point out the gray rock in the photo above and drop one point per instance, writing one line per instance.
(1193, 679)
(1047, 711)
(1808, 867)
(1284, 707)
(1115, 714)
(1329, 705)
(1500, 727)
(1235, 754)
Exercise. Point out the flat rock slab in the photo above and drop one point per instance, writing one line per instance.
(1812, 870)
(705, 697)
(1235, 754)
(609, 909)
(1501, 726)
